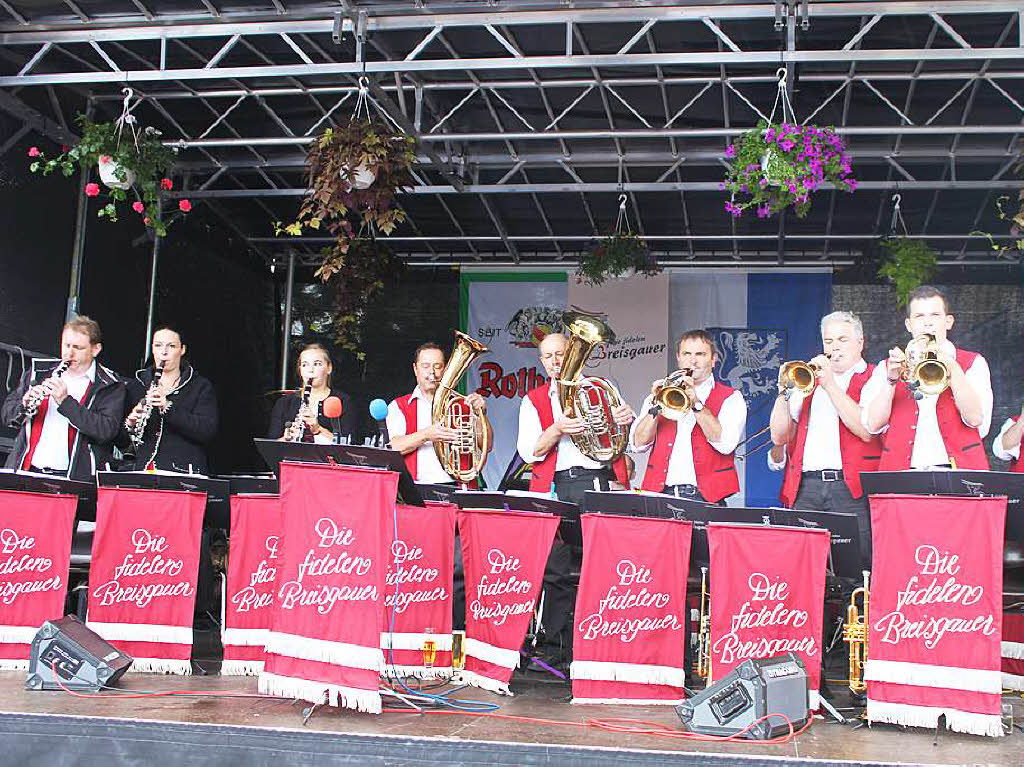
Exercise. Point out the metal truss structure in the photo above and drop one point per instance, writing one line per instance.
(532, 117)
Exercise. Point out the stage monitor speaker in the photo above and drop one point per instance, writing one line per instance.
(749, 692)
(83, 661)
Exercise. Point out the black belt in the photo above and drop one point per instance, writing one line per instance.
(825, 475)
(52, 472)
(579, 472)
(682, 491)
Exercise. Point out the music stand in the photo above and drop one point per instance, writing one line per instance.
(218, 491)
(569, 527)
(30, 482)
(251, 484)
(844, 551)
(442, 493)
(274, 451)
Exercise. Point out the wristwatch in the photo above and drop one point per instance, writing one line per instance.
(697, 406)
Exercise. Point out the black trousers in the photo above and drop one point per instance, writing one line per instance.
(816, 494)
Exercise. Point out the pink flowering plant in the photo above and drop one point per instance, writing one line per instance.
(145, 155)
(775, 166)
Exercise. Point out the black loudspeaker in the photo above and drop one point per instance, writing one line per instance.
(83, 661)
(749, 692)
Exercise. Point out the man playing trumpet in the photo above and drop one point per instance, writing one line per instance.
(692, 446)
(819, 428)
(930, 425)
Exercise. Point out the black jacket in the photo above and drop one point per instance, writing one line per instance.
(98, 419)
(177, 439)
(286, 408)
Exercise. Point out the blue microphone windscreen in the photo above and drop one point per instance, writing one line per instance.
(379, 409)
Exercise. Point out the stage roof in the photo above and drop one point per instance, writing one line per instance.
(534, 117)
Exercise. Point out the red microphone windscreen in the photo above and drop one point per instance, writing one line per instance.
(332, 407)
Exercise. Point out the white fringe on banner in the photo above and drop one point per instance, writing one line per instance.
(499, 656)
(1013, 682)
(244, 637)
(340, 653)
(813, 700)
(18, 634)
(924, 675)
(142, 632)
(636, 673)
(389, 641)
(485, 683)
(162, 666)
(928, 716)
(1014, 650)
(367, 701)
(420, 672)
(8, 664)
(625, 702)
(241, 668)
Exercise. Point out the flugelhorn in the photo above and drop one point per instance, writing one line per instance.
(855, 633)
(672, 398)
(799, 375)
(464, 458)
(590, 399)
(923, 369)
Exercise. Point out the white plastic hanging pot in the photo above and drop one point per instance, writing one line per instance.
(111, 172)
(362, 177)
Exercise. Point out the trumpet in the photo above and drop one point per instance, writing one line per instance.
(671, 397)
(298, 427)
(138, 429)
(855, 633)
(799, 375)
(923, 370)
(704, 635)
(31, 407)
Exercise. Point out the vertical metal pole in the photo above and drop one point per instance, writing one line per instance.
(78, 243)
(286, 326)
(152, 299)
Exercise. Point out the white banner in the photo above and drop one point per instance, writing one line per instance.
(510, 313)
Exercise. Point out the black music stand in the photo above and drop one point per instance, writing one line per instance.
(251, 484)
(274, 451)
(218, 491)
(442, 493)
(30, 482)
(844, 553)
(569, 527)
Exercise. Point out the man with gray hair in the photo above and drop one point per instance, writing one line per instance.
(825, 442)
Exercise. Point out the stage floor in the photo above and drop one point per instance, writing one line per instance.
(61, 729)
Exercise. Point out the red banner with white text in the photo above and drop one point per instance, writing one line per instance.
(35, 549)
(936, 612)
(337, 527)
(767, 596)
(503, 555)
(142, 580)
(417, 634)
(631, 611)
(252, 574)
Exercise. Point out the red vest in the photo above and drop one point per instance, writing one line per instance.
(857, 454)
(36, 431)
(543, 473)
(1016, 464)
(407, 405)
(716, 473)
(963, 443)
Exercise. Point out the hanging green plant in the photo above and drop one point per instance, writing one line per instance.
(621, 252)
(130, 164)
(908, 264)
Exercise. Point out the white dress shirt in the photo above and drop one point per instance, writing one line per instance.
(428, 468)
(929, 449)
(52, 451)
(732, 416)
(997, 447)
(569, 456)
(821, 450)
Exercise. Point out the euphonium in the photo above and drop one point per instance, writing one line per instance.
(704, 635)
(464, 458)
(587, 398)
(855, 632)
(137, 430)
(298, 427)
(923, 370)
(799, 375)
(672, 398)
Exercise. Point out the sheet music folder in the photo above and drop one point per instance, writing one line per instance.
(955, 482)
(274, 451)
(218, 491)
(30, 482)
(569, 528)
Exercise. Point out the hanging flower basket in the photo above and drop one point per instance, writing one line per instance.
(774, 167)
(129, 164)
(909, 263)
(617, 255)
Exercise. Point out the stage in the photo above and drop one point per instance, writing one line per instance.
(55, 728)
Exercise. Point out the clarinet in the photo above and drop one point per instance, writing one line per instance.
(136, 431)
(298, 430)
(30, 408)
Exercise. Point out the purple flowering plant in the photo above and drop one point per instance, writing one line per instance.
(775, 166)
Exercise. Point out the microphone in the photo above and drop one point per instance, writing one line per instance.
(379, 413)
(333, 410)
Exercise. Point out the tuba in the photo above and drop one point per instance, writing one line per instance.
(587, 398)
(925, 373)
(855, 633)
(464, 458)
(672, 397)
